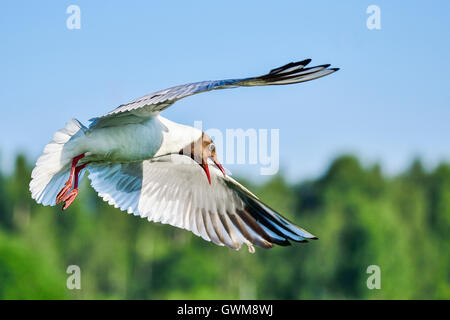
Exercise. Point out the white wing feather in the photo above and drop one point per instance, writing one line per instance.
(174, 190)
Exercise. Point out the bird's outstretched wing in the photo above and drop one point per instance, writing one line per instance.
(174, 190)
(154, 103)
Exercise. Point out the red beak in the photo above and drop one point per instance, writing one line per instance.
(220, 167)
(206, 168)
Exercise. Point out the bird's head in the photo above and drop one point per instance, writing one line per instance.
(200, 151)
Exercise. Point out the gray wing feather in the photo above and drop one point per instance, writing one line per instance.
(152, 104)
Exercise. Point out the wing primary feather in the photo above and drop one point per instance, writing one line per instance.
(294, 75)
(257, 240)
(226, 225)
(279, 240)
(253, 223)
(209, 227)
(213, 217)
(290, 65)
(298, 71)
(201, 227)
(272, 222)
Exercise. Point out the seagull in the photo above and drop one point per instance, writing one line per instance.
(149, 166)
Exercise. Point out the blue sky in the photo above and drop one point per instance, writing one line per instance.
(388, 103)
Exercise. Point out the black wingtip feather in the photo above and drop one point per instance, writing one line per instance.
(294, 71)
(286, 230)
(303, 63)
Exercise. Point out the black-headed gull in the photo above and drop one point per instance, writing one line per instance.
(166, 172)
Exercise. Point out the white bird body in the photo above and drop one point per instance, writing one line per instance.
(152, 137)
(152, 167)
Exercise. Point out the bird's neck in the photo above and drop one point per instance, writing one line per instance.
(176, 137)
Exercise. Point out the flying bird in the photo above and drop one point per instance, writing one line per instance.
(149, 166)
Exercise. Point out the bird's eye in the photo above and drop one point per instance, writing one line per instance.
(212, 147)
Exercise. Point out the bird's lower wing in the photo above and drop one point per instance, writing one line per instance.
(154, 103)
(174, 190)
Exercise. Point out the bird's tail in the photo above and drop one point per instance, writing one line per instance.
(53, 166)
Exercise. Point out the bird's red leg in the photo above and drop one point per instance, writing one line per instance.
(74, 193)
(61, 194)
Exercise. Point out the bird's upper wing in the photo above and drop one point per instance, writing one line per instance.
(154, 103)
(174, 190)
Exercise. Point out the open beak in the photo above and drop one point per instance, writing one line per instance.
(206, 168)
(217, 163)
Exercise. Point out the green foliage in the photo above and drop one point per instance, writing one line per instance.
(361, 217)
